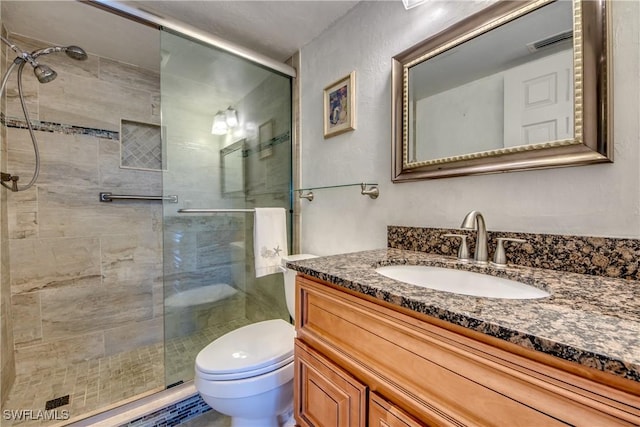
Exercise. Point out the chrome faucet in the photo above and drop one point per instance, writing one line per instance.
(475, 220)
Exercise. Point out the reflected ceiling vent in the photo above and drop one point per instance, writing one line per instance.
(550, 41)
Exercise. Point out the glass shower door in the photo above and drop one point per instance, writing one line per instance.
(244, 162)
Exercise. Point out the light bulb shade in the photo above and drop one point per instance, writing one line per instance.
(219, 124)
(232, 117)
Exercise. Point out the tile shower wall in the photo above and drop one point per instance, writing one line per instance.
(7, 363)
(86, 277)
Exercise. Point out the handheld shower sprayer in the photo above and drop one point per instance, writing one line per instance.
(44, 74)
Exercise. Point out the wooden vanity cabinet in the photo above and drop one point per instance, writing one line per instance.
(361, 362)
(326, 395)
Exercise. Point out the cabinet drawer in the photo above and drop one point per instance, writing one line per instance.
(443, 378)
(384, 414)
(326, 395)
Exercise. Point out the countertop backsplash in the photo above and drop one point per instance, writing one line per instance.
(599, 256)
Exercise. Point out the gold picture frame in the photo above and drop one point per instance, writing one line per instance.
(339, 112)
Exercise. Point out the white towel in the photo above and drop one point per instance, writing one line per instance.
(269, 240)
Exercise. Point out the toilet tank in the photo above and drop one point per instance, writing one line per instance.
(290, 280)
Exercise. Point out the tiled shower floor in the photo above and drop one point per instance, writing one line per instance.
(103, 382)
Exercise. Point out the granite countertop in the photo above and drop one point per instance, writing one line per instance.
(590, 320)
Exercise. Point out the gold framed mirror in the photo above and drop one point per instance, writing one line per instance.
(517, 86)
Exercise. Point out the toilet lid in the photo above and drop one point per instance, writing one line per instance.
(248, 350)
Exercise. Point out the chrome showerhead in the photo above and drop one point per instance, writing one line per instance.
(75, 52)
(44, 74)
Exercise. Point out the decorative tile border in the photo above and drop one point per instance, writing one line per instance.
(598, 256)
(43, 126)
(172, 415)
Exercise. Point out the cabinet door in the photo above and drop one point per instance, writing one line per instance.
(384, 414)
(326, 396)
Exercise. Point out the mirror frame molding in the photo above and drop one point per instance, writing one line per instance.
(592, 142)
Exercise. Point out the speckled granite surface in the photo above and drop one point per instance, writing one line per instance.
(600, 256)
(591, 320)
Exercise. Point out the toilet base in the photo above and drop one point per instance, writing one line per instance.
(266, 409)
(284, 420)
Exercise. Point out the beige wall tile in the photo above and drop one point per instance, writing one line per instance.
(30, 86)
(131, 257)
(89, 102)
(7, 362)
(54, 169)
(129, 75)
(23, 214)
(112, 178)
(72, 211)
(179, 253)
(130, 336)
(65, 159)
(158, 297)
(76, 310)
(76, 148)
(27, 324)
(59, 353)
(53, 263)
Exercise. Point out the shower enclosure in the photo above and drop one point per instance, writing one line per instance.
(104, 302)
(209, 279)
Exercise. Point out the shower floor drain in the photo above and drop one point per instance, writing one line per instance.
(56, 403)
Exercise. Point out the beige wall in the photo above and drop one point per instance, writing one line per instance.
(86, 276)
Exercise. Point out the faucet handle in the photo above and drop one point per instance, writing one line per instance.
(463, 249)
(500, 258)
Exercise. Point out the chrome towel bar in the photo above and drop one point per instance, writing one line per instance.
(108, 197)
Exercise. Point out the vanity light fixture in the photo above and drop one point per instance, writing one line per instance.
(231, 117)
(408, 4)
(224, 120)
(219, 124)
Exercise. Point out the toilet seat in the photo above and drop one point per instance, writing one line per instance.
(247, 352)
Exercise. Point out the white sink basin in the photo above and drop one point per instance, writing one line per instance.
(461, 282)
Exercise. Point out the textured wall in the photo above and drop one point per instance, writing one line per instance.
(600, 200)
(86, 276)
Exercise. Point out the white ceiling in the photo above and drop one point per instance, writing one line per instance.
(273, 28)
(276, 29)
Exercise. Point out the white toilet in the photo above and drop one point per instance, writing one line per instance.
(248, 373)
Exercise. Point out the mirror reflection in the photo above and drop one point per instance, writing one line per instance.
(232, 169)
(511, 86)
(466, 102)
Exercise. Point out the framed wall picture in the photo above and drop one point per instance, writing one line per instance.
(339, 106)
